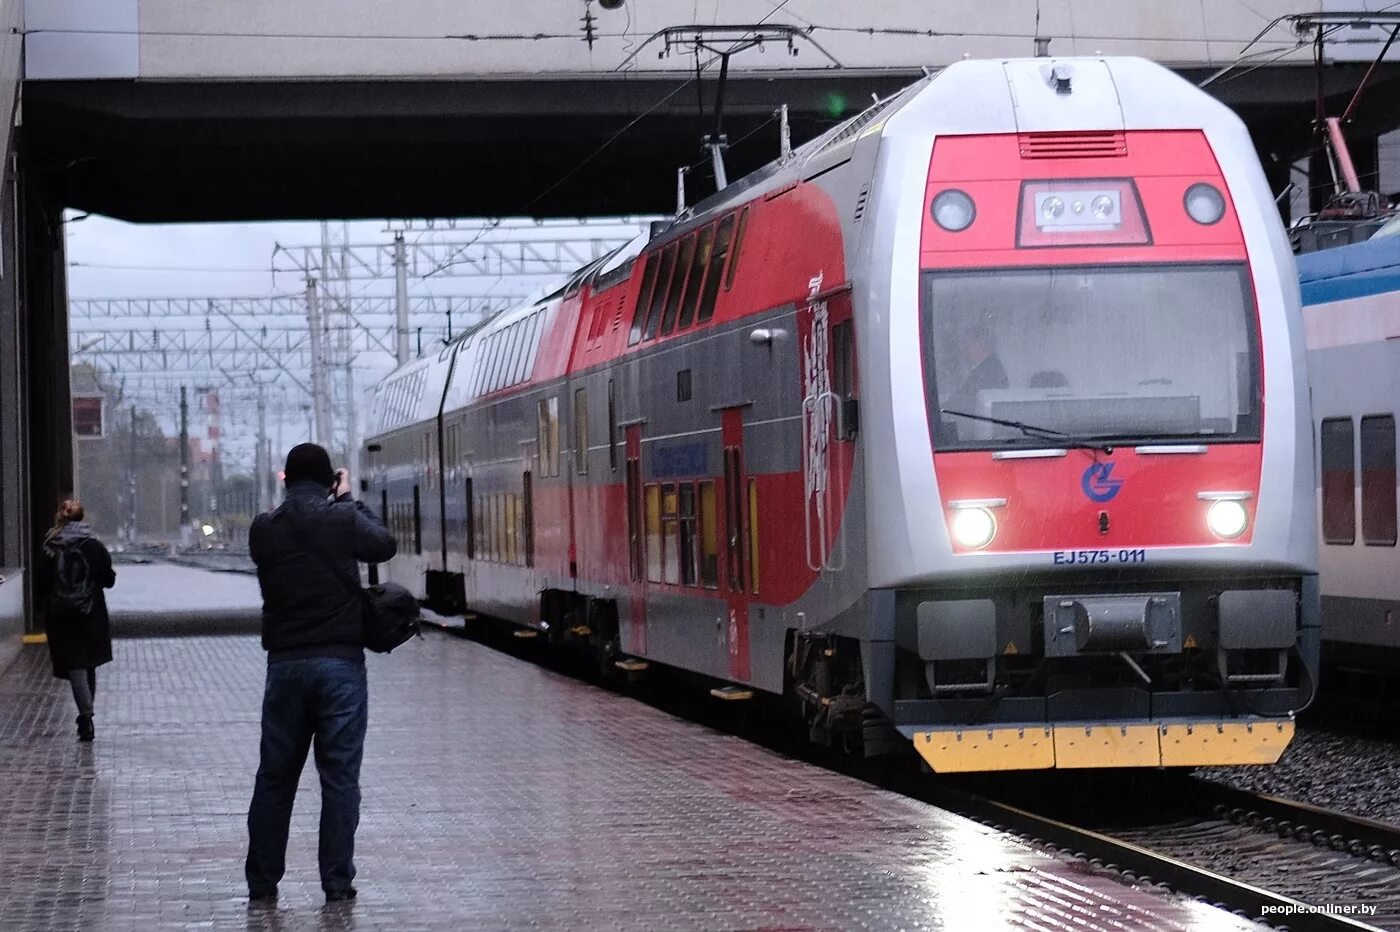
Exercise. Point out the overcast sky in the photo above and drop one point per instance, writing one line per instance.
(111, 259)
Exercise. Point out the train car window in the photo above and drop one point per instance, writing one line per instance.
(522, 350)
(479, 514)
(670, 535)
(515, 353)
(512, 523)
(688, 534)
(709, 537)
(536, 326)
(554, 436)
(529, 328)
(842, 360)
(699, 263)
(426, 457)
(612, 426)
(678, 283)
(658, 295)
(500, 378)
(1378, 480)
(499, 517)
(683, 385)
(1338, 481)
(528, 518)
(548, 436)
(580, 431)
(484, 362)
(652, 510)
(490, 358)
(710, 293)
(753, 536)
(417, 522)
(469, 522)
(634, 336)
(738, 247)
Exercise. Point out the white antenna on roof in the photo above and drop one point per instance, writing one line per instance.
(784, 133)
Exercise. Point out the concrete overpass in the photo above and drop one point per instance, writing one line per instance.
(165, 110)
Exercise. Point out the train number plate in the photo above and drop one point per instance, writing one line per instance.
(1097, 557)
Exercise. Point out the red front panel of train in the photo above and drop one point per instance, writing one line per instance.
(1089, 290)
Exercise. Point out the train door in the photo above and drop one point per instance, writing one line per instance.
(637, 642)
(738, 556)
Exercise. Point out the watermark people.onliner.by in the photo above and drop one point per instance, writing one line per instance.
(1328, 909)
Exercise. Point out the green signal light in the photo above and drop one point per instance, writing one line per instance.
(835, 104)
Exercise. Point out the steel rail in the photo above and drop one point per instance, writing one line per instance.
(1142, 863)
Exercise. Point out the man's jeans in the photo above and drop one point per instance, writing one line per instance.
(326, 700)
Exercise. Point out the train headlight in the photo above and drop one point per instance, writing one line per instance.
(973, 528)
(1227, 518)
(953, 210)
(1204, 203)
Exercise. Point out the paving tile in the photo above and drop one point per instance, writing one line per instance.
(497, 795)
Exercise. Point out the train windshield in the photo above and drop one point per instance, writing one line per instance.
(1128, 353)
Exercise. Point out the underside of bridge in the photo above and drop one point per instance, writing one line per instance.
(159, 151)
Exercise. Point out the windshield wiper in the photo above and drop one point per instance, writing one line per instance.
(1057, 437)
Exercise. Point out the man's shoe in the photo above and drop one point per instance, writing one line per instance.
(260, 897)
(337, 896)
(85, 729)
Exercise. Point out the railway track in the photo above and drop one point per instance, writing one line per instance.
(1260, 857)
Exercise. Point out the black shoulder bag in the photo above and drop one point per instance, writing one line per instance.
(389, 613)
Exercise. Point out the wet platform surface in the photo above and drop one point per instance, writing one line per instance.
(496, 795)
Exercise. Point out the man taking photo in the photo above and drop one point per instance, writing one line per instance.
(307, 554)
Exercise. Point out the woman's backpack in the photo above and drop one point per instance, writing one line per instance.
(74, 589)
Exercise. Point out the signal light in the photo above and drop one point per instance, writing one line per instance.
(953, 210)
(1204, 203)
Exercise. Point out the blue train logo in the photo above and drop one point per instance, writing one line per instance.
(1098, 482)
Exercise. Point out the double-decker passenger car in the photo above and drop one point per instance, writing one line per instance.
(976, 419)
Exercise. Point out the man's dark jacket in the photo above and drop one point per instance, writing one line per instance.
(307, 610)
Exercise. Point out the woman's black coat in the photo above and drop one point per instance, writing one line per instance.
(78, 641)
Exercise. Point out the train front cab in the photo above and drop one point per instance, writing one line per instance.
(1121, 577)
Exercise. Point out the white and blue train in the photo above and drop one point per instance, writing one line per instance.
(1351, 313)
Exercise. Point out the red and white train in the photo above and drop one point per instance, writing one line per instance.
(981, 419)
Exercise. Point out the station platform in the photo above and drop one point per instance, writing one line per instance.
(497, 795)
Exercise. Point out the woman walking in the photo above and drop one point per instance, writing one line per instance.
(80, 639)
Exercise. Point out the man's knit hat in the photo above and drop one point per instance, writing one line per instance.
(309, 461)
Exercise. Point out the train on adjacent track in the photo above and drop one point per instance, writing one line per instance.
(1351, 313)
(975, 420)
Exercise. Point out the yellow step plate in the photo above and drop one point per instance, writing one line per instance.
(1204, 744)
(732, 693)
(631, 666)
(526, 633)
(580, 631)
(1080, 746)
(40, 638)
(973, 749)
